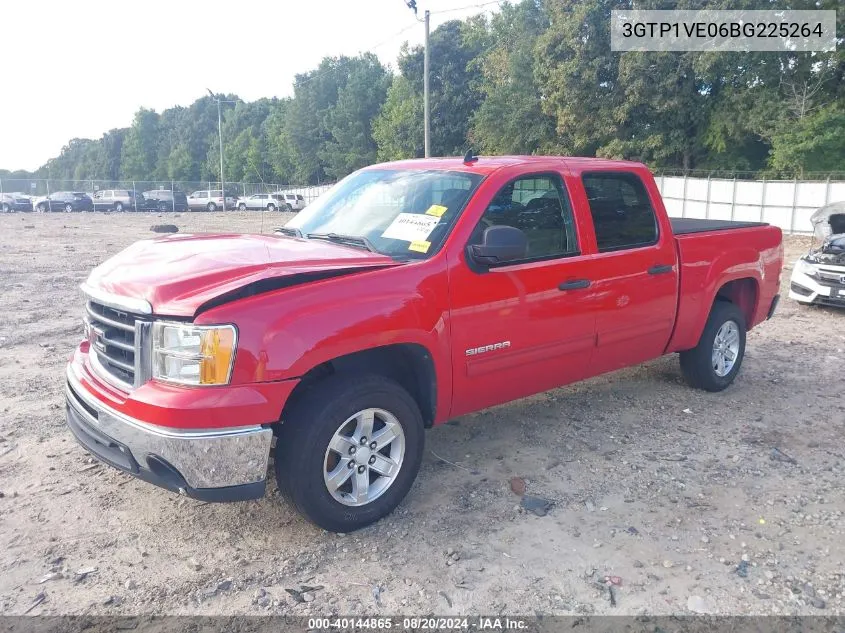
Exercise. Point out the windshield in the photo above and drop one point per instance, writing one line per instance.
(404, 214)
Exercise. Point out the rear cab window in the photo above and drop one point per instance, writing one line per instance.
(623, 216)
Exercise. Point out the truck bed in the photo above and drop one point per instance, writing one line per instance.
(683, 226)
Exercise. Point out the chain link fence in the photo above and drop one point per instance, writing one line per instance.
(39, 189)
(786, 203)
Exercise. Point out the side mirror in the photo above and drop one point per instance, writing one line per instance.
(499, 245)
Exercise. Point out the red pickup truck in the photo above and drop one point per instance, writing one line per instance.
(410, 293)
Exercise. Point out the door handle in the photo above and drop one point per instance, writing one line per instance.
(575, 284)
(660, 269)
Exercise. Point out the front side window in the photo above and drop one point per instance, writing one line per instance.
(402, 213)
(622, 213)
(538, 206)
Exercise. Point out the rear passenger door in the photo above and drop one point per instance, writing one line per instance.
(634, 271)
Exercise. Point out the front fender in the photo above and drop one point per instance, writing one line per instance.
(285, 333)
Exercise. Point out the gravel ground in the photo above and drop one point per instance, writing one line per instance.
(665, 500)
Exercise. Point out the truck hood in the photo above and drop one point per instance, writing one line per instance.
(178, 275)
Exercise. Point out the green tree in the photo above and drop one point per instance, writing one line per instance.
(454, 84)
(398, 129)
(814, 142)
(140, 148)
(349, 121)
(510, 118)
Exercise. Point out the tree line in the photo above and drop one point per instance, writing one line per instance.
(536, 77)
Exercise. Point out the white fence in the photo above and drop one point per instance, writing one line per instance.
(787, 204)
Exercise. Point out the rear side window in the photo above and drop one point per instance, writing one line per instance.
(622, 213)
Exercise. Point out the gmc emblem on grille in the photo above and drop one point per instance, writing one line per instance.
(95, 337)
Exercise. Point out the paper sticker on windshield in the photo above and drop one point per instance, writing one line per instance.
(412, 227)
(419, 247)
(437, 210)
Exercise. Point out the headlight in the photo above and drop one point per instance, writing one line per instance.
(193, 354)
(805, 267)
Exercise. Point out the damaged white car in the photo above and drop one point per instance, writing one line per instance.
(819, 276)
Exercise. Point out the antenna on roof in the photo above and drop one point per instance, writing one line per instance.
(469, 157)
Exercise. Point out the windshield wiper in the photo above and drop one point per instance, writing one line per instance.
(284, 230)
(351, 240)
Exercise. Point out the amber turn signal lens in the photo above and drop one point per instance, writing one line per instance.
(217, 350)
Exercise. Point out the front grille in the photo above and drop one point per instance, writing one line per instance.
(830, 278)
(111, 333)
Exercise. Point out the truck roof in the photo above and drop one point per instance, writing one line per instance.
(488, 164)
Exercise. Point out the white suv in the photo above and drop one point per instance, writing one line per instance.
(210, 200)
(295, 200)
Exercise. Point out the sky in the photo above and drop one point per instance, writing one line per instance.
(78, 69)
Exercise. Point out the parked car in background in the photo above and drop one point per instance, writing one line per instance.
(210, 200)
(166, 200)
(65, 201)
(818, 277)
(296, 201)
(268, 201)
(119, 200)
(14, 202)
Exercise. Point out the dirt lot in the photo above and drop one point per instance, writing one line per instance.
(723, 503)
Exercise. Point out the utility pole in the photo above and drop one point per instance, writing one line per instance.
(426, 106)
(412, 4)
(220, 132)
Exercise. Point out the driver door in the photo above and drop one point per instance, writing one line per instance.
(524, 326)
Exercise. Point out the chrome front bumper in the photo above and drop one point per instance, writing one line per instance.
(212, 465)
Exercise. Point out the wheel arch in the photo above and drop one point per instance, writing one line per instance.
(409, 364)
(744, 292)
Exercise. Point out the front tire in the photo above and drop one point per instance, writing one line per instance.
(349, 450)
(714, 363)
(68, 208)
(118, 207)
(271, 207)
(241, 207)
(6, 208)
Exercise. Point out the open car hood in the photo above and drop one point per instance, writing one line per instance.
(179, 275)
(829, 220)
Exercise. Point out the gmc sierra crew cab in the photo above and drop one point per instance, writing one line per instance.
(410, 293)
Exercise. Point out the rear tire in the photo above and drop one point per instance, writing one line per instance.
(118, 206)
(68, 208)
(6, 208)
(211, 207)
(271, 207)
(303, 452)
(162, 206)
(709, 365)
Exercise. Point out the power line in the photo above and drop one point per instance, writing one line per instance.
(317, 73)
(469, 6)
(398, 33)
